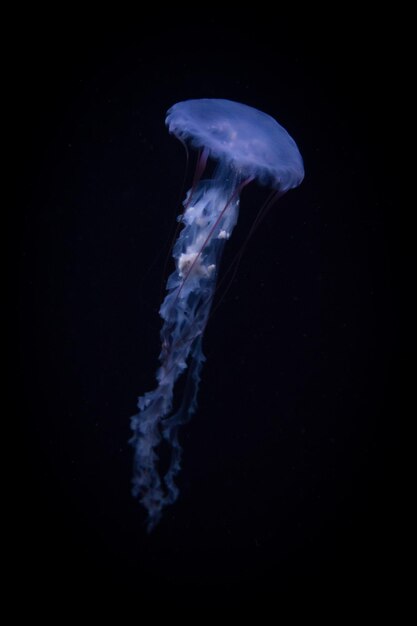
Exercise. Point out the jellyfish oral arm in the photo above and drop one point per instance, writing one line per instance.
(207, 223)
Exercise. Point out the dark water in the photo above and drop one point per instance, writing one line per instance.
(287, 470)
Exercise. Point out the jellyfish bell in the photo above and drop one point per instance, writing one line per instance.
(245, 145)
(247, 140)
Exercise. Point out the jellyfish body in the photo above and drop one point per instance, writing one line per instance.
(246, 144)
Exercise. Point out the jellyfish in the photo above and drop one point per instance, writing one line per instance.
(245, 144)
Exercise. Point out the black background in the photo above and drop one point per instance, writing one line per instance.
(287, 481)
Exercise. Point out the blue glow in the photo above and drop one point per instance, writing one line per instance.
(246, 144)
